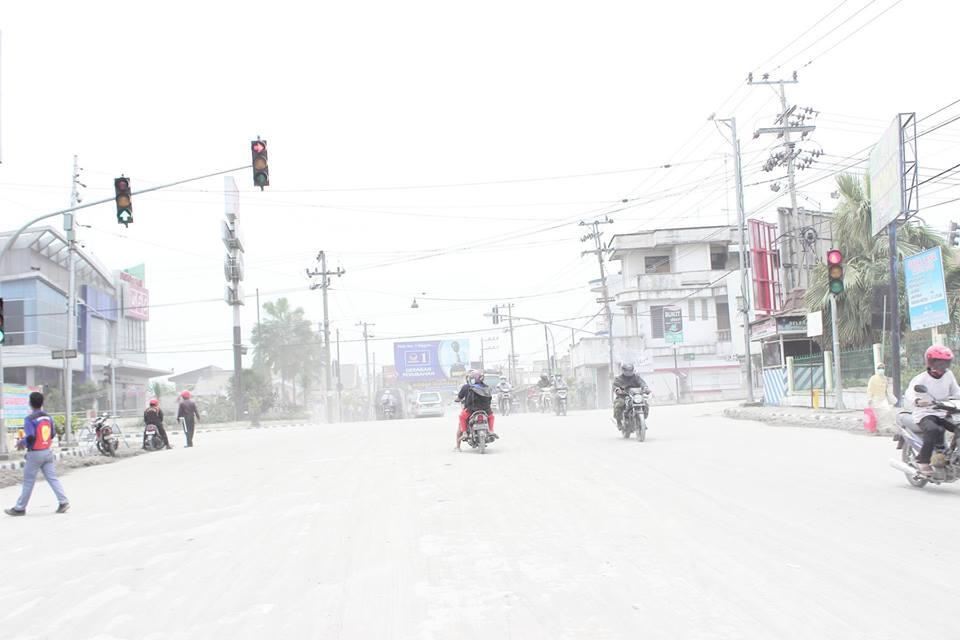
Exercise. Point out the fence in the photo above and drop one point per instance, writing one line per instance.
(857, 367)
(808, 372)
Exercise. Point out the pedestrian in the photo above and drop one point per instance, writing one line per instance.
(38, 432)
(188, 411)
(154, 415)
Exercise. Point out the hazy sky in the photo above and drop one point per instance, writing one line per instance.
(370, 108)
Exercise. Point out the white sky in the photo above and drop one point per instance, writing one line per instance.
(384, 94)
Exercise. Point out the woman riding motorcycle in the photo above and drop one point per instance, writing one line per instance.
(475, 396)
(941, 385)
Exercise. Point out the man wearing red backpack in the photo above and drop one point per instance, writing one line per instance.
(38, 437)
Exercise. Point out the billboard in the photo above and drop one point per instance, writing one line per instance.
(431, 359)
(136, 298)
(926, 293)
(15, 404)
(672, 325)
(886, 177)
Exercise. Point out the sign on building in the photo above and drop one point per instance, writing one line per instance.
(926, 291)
(136, 297)
(673, 325)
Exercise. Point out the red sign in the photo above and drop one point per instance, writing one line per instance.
(136, 297)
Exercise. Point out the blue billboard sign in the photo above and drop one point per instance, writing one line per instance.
(431, 359)
(926, 291)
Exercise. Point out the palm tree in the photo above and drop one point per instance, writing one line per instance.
(283, 343)
(866, 265)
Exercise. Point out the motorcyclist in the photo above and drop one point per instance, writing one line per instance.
(503, 386)
(544, 382)
(628, 379)
(387, 402)
(475, 396)
(154, 415)
(941, 385)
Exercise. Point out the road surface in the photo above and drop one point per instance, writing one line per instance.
(711, 529)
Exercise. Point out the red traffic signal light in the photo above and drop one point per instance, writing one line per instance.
(835, 271)
(121, 187)
(261, 168)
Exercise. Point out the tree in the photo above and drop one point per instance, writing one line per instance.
(284, 343)
(161, 389)
(866, 265)
(258, 394)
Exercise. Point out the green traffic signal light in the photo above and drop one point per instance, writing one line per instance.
(121, 187)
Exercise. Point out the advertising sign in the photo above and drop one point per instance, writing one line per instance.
(673, 325)
(15, 404)
(431, 359)
(791, 325)
(926, 292)
(886, 178)
(136, 298)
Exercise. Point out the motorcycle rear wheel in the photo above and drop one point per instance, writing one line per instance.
(908, 457)
(482, 441)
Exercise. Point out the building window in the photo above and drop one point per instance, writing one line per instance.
(692, 310)
(656, 322)
(656, 264)
(718, 259)
(13, 324)
(704, 309)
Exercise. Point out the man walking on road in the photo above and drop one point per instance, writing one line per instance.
(188, 411)
(38, 437)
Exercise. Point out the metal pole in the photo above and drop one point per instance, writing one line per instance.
(326, 338)
(339, 382)
(676, 372)
(513, 356)
(792, 185)
(4, 451)
(894, 313)
(113, 366)
(606, 298)
(837, 379)
(744, 272)
(546, 340)
(71, 331)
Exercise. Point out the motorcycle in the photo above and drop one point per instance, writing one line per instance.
(636, 406)
(151, 438)
(561, 404)
(545, 401)
(909, 439)
(387, 412)
(504, 403)
(478, 434)
(107, 439)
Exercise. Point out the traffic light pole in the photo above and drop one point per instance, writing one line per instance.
(835, 330)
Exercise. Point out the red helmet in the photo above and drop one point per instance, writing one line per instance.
(938, 352)
(154, 402)
(185, 394)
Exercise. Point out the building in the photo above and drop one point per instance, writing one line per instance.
(111, 324)
(693, 271)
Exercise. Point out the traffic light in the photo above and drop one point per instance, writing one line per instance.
(954, 235)
(3, 332)
(496, 315)
(835, 271)
(121, 187)
(261, 171)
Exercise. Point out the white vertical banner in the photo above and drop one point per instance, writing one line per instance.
(815, 324)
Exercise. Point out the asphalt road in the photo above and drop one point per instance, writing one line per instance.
(711, 529)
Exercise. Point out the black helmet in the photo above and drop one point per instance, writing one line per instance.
(626, 369)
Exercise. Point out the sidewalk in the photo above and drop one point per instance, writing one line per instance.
(849, 420)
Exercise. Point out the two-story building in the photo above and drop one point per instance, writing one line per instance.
(693, 272)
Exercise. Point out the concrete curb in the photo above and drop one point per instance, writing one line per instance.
(851, 421)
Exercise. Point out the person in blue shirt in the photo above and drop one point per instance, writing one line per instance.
(38, 437)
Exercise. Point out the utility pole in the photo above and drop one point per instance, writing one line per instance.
(546, 340)
(69, 230)
(512, 364)
(744, 272)
(339, 382)
(324, 284)
(366, 355)
(233, 271)
(595, 235)
(789, 122)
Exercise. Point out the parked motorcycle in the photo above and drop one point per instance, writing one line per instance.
(478, 434)
(151, 438)
(107, 438)
(909, 439)
(504, 403)
(636, 405)
(561, 402)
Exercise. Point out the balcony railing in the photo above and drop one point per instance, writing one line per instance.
(724, 335)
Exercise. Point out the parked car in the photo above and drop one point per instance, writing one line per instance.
(428, 403)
